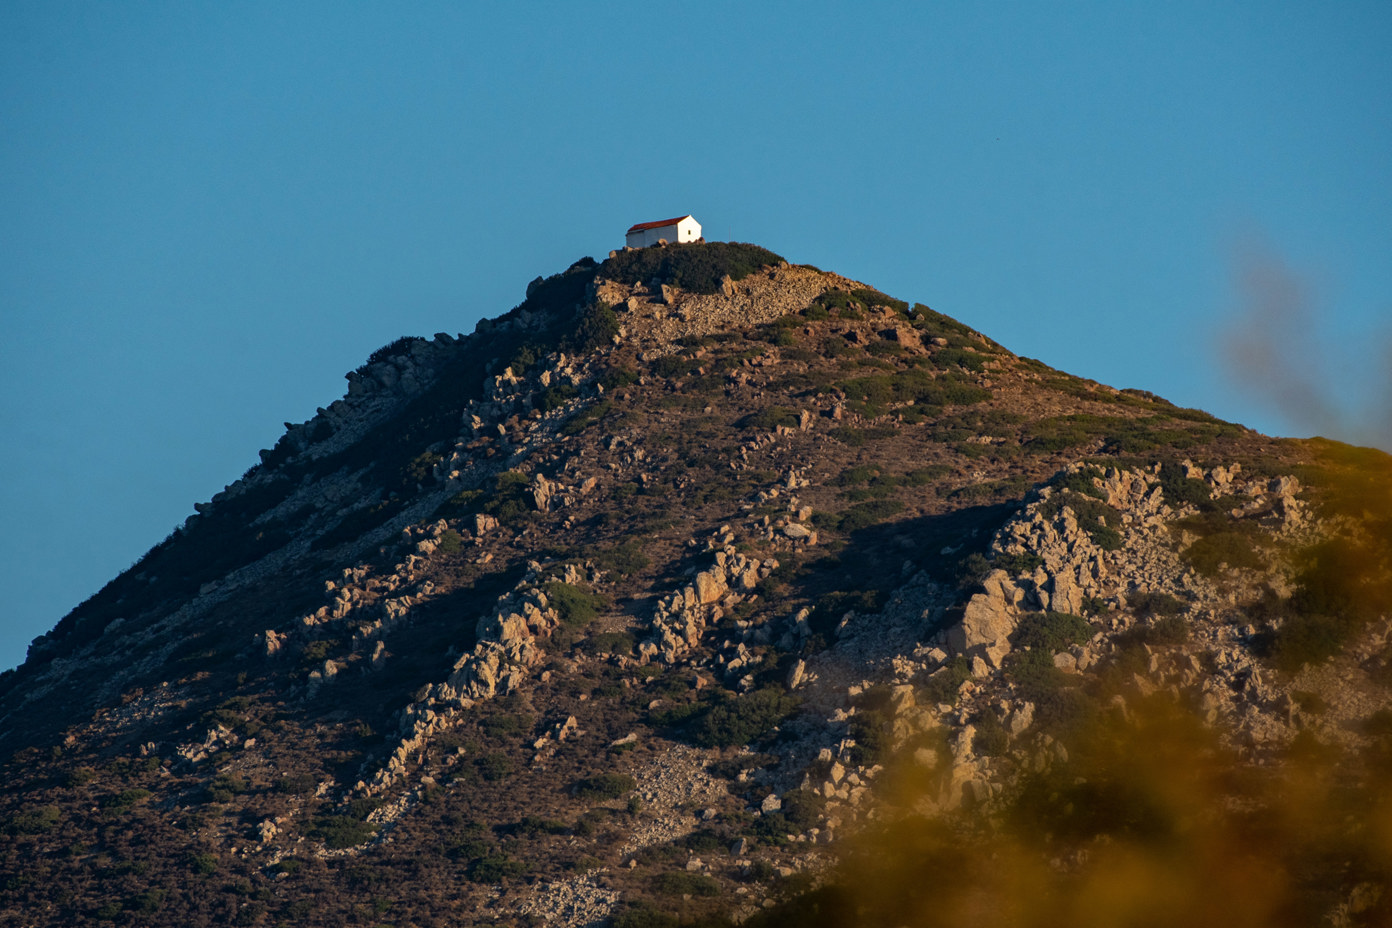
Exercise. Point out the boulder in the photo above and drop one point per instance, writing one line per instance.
(710, 587)
(987, 621)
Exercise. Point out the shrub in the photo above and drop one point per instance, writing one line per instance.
(991, 740)
(400, 346)
(682, 883)
(1079, 481)
(1094, 517)
(830, 609)
(742, 719)
(943, 684)
(1168, 629)
(1180, 490)
(610, 643)
(1157, 604)
(604, 786)
(33, 821)
(960, 357)
(126, 798)
(575, 606)
(618, 377)
(643, 915)
(451, 542)
(803, 808)
(697, 267)
(495, 868)
(625, 560)
(1308, 639)
(556, 396)
(203, 864)
(297, 784)
(587, 417)
(493, 766)
(1050, 631)
(859, 516)
(596, 328)
(80, 776)
(225, 786)
(533, 825)
(341, 831)
(510, 497)
(770, 419)
(1211, 554)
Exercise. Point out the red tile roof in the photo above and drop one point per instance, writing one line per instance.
(655, 225)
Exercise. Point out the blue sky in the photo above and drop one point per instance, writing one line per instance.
(211, 212)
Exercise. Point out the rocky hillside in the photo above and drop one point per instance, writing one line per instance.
(699, 589)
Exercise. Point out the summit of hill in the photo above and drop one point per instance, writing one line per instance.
(703, 588)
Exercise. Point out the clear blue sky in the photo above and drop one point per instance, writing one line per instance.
(209, 212)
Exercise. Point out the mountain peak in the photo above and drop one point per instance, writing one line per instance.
(676, 591)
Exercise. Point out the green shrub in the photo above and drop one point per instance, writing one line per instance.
(420, 470)
(871, 396)
(682, 883)
(1157, 604)
(401, 346)
(576, 607)
(960, 357)
(642, 915)
(596, 328)
(871, 728)
(610, 643)
(126, 798)
(991, 739)
(33, 821)
(495, 868)
(341, 831)
(1163, 630)
(510, 497)
(1050, 631)
(1079, 481)
(451, 542)
(203, 864)
(741, 719)
(942, 686)
(935, 323)
(1211, 554)
(858, 516)
(80, 776)
(672, 367)
(297, 784)
(770, 419)
(618, 377)
(625, 559)
(830, 609)
(1094, 517)
(803, 809)
(587, 417)
(534, 825)
(1308, 639)
(493, 766)
(556, 396)
(1180, 490)
(604, 786)
(696, 267)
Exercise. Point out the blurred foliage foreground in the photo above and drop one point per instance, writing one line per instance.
(1151, 819)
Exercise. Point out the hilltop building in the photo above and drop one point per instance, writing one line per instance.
(681, 229)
